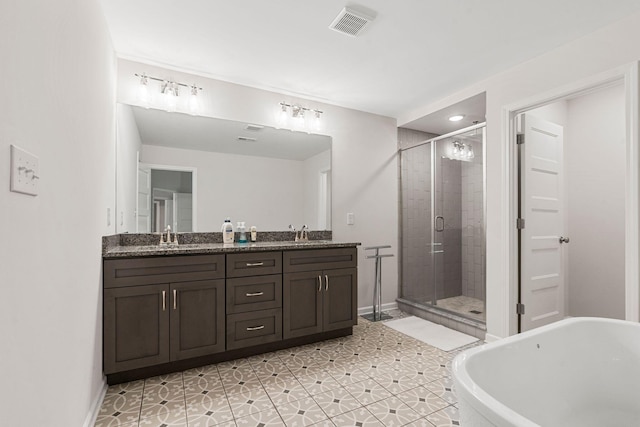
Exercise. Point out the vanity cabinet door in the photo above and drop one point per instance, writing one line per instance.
(301, 304)
(197, 318)
(136, 327)
(339, 294)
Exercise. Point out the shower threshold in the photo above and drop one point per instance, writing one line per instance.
(424, 310)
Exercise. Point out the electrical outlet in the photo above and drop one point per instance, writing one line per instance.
(24, 172)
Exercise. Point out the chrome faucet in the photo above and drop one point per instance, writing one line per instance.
(304, 234)
(168, 241)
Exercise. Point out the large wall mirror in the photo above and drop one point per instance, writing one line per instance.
(192, 172)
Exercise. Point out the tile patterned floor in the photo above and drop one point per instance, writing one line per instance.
(376, 377)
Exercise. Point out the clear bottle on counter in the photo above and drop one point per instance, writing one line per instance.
(243, 232)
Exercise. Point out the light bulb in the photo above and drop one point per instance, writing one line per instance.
(193, 100)
(143, 90)
(456, 149)
(470, 153)
(170, 91)
(316, 121)
(281, 115)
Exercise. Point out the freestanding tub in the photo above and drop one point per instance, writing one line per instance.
(577, 372)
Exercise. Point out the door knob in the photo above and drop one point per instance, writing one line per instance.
(564, 239)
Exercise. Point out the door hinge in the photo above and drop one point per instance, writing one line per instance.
(520, 138)
(519, 308)
(520, 223)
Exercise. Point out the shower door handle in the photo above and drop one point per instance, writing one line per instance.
(439, 223)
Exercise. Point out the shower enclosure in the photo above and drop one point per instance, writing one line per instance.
(443, 225)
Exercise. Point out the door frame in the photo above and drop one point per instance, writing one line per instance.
(629, 74)
(194, 184)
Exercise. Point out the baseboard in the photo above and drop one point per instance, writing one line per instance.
(90, 420)
(491, 338)
(384, 307)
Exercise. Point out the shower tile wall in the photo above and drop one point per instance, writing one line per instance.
(449, 269)
(473, 271)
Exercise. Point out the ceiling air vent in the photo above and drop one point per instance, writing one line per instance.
(254, 128)
(350, 22)
(246, 139)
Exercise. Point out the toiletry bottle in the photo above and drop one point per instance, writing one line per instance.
(243, 232)
(227, 231)
(254, 233)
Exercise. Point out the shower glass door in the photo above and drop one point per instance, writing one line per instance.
(443, 240)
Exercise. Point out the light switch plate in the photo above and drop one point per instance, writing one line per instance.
(350, 218)
(24, 172)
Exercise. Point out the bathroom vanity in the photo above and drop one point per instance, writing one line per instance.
(170, 309)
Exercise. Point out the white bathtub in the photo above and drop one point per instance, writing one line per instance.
(578, 372)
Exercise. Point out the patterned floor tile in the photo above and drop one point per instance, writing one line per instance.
(210, 384)
(256, 400)
(367, 391)
(269, 418)
(445, 417)
(232, 364)
(285, 391)
(200, 371)
(115, 422)
(242, 386)
(170, 413)
(397, 382)
(443, 388)
(163, 379)
(207, 409)
(315, 384)
(360, 417)
(121, 406)
(345, 376)
(303, 412)
(166, 391)
(422, 422)
(207, 422)
(422, 400)
(393, 412)
(336, 402)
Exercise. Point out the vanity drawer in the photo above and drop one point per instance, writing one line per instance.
(254, 328)
(164, 269)
(254, 264)
(319, 259)
(254, 293)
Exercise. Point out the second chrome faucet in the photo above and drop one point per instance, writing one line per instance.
(304, 233)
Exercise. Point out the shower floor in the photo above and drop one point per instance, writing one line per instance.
(466, 306)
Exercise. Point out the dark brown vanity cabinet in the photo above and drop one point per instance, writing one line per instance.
(163, 309)
(319, 291)
(254, 299)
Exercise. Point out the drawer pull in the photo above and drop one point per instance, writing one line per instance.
(255, 264)
(175, 299)
(164, 300)
(319, 283)
(254, 294)
(255, 328)
(326, 283)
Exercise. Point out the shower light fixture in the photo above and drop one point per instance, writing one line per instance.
(461, 151)
(170, 91)
(456, 118)
(302, 118)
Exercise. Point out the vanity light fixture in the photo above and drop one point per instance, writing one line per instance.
(456, 118)
(303, 118)
(170, 91)
(461, 151)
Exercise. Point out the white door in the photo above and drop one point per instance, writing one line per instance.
(182, 212)
(542, 287)
(143, 211)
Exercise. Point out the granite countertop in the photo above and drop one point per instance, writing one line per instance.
(124, 251)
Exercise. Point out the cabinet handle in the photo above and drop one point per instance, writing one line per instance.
(164, 300)
(255, 328)
(175, 299)
(326, 282)
(254, 294)
(319, 283)
(255, 264)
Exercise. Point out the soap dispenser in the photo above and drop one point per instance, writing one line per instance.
(227, 231)
(243, 232)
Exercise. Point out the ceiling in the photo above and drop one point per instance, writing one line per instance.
(158, 127)
(413, 53)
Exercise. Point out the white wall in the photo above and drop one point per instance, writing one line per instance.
(257, 182)
(128, 145)
(58, 95)
(364, 163)
(611, 47)
(595, 156)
